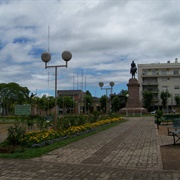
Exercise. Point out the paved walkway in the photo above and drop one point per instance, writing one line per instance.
(128, 151)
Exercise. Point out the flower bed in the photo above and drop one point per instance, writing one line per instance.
(41, 138)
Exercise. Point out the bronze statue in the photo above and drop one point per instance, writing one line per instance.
(133, 69)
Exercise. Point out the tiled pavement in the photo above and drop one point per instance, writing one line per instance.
(126, 152)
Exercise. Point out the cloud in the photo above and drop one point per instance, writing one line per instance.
(104, 37)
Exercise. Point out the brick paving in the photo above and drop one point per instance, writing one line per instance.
(128, 151)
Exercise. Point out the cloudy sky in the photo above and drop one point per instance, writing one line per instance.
(104, 36)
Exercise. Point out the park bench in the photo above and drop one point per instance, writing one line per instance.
(174, 130)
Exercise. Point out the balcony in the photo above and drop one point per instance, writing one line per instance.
(150, 74)
(150, 83)
(155, 100)
(144, 75)
(154, 91)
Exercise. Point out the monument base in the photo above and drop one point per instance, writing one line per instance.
(137, 110)
(133, 104)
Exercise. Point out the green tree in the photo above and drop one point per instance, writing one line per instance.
(88, 93)
(103, 101)
(123, 92)
(177, 100)
(44, 103)
(147, 98)
(123, 98)
(164, 98)
(51, 103)
(40, 102)
(158, 117)
(11, 94)
(116, 103)
(88, 100)
(66, 103)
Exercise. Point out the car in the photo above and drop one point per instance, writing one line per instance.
(48, 118)
(153, 112)
(173, 111)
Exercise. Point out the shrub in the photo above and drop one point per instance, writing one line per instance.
(158, 117)
(82, 120)
(15, 133)
(41, 123)
(69, 120)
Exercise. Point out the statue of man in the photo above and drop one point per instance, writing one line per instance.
(133, 69)
(133, 64)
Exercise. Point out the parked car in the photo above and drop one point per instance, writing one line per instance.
(173, 111)
(48, 118)
(153, 112)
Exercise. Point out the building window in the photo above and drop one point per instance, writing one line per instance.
(163, 72)
(176, 79)
(144, 72)
(155, 72)
(164, 79)
(164, 88)
(176, 95)
(176, 87)
(176, 72)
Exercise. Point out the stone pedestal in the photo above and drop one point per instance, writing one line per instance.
(133, 104)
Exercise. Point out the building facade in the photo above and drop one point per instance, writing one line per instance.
(159, 77)
(78, 97)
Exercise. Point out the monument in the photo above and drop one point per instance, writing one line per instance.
(133, 104)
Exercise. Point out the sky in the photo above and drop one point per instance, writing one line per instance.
(104, 37)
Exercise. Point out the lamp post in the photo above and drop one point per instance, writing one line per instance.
(127, 95)
(46, 57)
(101, 84)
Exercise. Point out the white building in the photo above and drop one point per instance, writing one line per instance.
(159, 77)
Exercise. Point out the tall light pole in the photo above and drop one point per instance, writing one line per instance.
(46, 57)
(101, 84)
(127, 96)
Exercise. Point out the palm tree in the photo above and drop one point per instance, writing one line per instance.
(148, 98)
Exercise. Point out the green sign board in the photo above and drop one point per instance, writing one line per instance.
(23, 109)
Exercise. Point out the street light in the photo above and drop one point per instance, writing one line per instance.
(101, 84)
(46, 57)
(127, 95)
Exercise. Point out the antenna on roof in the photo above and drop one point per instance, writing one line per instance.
(48, 36)
(48, 80)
